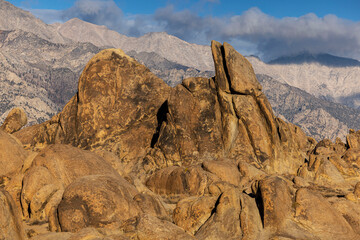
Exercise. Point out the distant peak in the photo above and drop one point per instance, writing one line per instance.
(320, 58)
(156, 34)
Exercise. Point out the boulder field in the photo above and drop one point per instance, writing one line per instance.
(132, 158)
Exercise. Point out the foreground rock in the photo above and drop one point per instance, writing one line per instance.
(51, 171)
(204, 160)
(97, 201)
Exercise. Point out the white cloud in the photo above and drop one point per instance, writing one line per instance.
(252, 32)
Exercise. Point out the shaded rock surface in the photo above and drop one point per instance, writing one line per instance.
(131, 158)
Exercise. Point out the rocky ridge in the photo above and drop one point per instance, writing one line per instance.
(165, 45)
(336, 84)
(132, 158)
(317, 117)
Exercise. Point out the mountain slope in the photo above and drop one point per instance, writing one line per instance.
(337, 84)
(15, 18)
(167, 46)
(39, 75)
(317, 117)
(172, 73)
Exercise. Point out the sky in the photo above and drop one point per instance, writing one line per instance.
(266, 28)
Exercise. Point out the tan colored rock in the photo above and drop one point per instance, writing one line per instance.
(67, 163)
(228, 116)
(51, 171)
(12, 157)
(191, 213)
(35, 179)
(276, 202)
(357, 190)
(221, 80)
(225, 170)
(224, 223)
(151, 205)
(316, 213)
(352, 156)
(147, 227)
(83, 234)
(179, 181)
(14, 121)
(353, 139)
(115, 109)
(191, 126)
(11, 226)
(350, 211)
(250, 218)
(96, 201)
(242, 77)
(331, 164)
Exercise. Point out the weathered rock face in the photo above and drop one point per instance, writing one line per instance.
(228, 116)
(14, 121)
(115, 108)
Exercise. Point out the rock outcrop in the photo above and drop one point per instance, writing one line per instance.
(228, 116)
(115, 109)
(131, 158)
(15, 120)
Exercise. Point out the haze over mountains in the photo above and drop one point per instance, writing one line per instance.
(40, 65)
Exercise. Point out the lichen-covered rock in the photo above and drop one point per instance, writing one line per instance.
(14, 121)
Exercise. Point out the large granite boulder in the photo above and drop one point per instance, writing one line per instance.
(116, 108)
(97, 201)
(51, 171)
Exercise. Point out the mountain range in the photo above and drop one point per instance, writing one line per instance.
(40, 65)
(336, 84)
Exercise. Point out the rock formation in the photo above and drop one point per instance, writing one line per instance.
(15, 120)
(131, 158)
